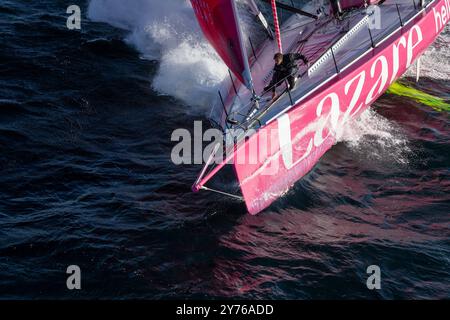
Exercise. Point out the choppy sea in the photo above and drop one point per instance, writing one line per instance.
(86, 176)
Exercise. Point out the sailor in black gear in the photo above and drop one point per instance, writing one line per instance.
(285, 67)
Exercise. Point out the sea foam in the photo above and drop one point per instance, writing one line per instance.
(167, 31)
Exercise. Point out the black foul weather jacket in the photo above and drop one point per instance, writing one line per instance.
(287, 68)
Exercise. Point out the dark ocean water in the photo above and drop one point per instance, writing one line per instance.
(86, 178)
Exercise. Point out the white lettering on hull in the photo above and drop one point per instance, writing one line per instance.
(382, 78)
(441, 16)
(285, 140)
(411, 45)
(331, 122)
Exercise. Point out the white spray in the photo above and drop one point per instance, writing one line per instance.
(434, 62)
(167, 31)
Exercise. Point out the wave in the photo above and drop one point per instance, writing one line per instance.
(167, 31)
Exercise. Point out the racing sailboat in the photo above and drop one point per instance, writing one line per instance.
(356, 50)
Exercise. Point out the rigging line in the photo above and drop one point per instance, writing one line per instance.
(207, 164)
(209, 170)
(213, 165)
(223, 193)
(225, 152)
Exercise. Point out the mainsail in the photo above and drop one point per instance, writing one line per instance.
(219, 22)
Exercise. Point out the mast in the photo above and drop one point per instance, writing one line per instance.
(276, 25)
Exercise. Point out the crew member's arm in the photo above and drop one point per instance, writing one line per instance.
(273, 82)
(299, 56)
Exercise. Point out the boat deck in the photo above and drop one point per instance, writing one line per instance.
(329, 44)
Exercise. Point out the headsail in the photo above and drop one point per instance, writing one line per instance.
(219, 22)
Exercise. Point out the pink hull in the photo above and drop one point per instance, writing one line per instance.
(303, 134)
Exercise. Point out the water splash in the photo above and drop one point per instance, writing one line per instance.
(167, 31)
(376, 138)
(434, 62)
